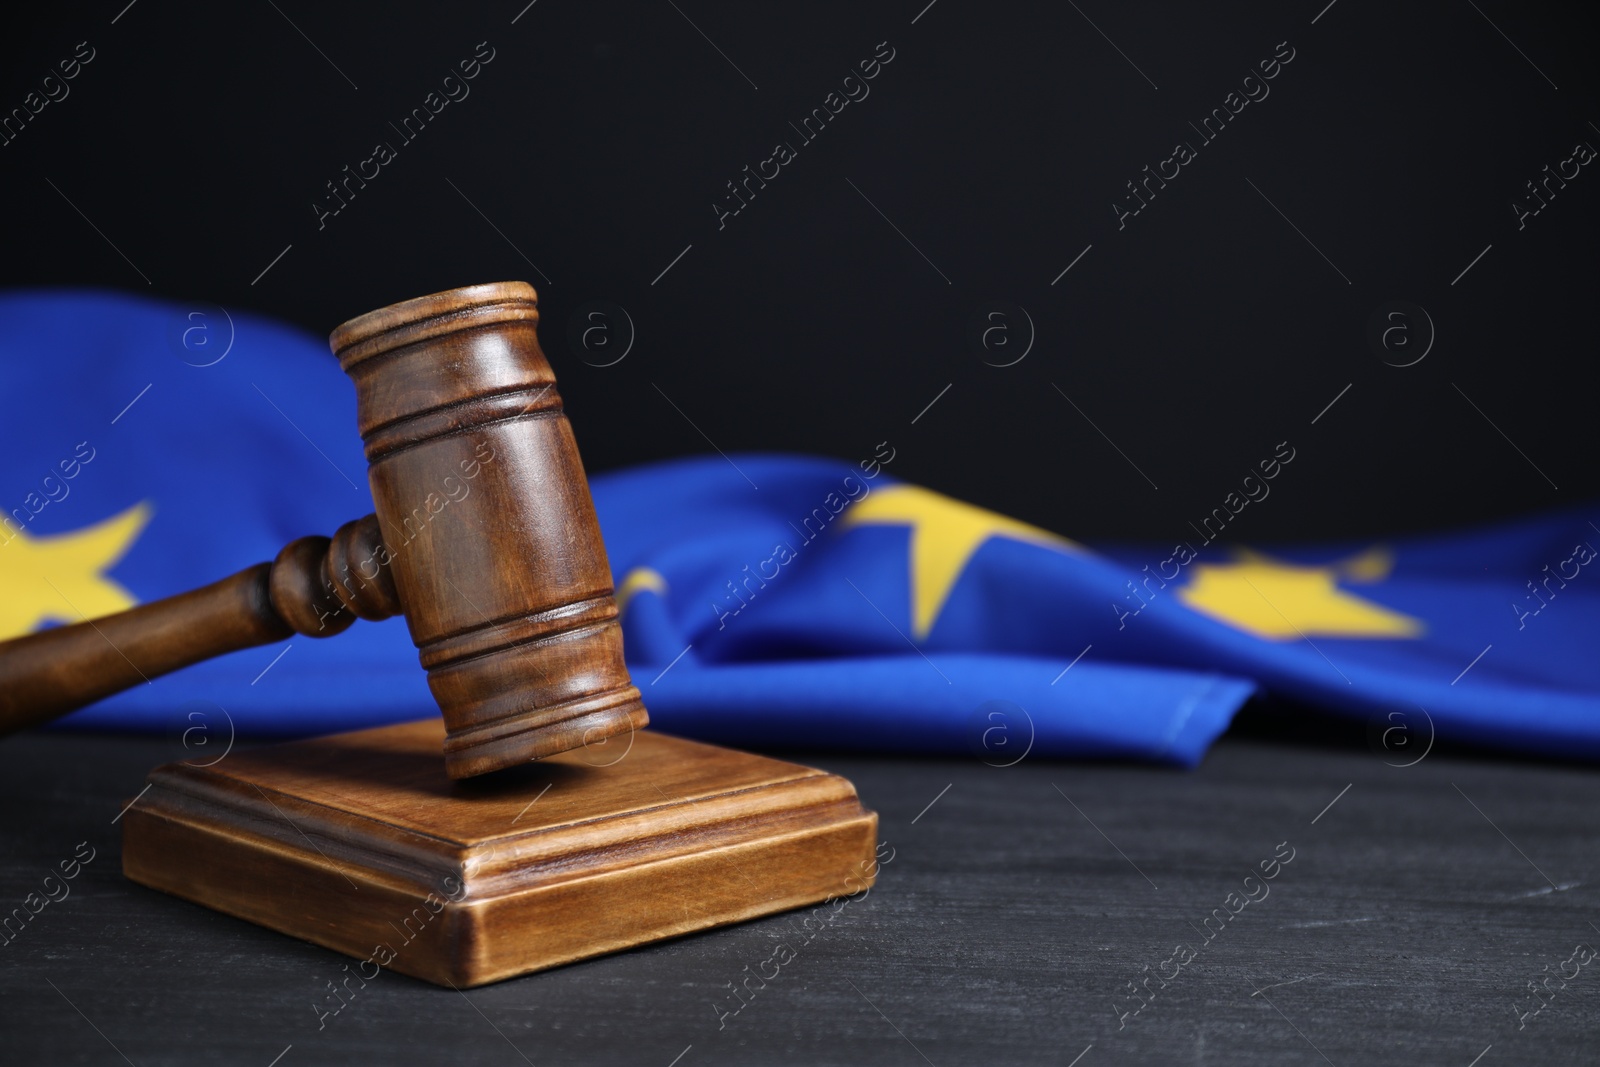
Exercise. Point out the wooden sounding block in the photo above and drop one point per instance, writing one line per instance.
(534, 824)
(362, 843)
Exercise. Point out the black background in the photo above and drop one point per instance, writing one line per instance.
(595, 143)
(1197, 338)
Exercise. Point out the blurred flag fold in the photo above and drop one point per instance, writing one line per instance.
(151, 447)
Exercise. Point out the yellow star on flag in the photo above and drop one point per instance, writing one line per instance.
(62, 577)
(1278, 601)
(944, 535)
(639, 580)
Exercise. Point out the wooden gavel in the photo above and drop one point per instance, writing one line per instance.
(484, 537)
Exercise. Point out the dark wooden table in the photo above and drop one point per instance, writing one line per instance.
(1021, 902)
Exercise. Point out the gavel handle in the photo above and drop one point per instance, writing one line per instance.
(317, 586)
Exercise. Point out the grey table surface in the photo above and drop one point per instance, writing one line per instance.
(1421, 906)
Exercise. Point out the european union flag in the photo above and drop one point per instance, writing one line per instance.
(766, 600)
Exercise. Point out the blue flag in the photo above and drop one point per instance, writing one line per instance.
(766, 600)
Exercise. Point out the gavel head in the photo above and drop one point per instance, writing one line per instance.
(489, 541)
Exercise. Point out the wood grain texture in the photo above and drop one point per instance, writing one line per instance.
(484, 536)
(52, 672)
(492, 538)
(360, 842)
(1001, 932)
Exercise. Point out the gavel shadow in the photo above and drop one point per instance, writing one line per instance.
(361, 838)
(530, 778)
(405, 761)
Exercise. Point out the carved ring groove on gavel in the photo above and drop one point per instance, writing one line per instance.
(507, 591)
